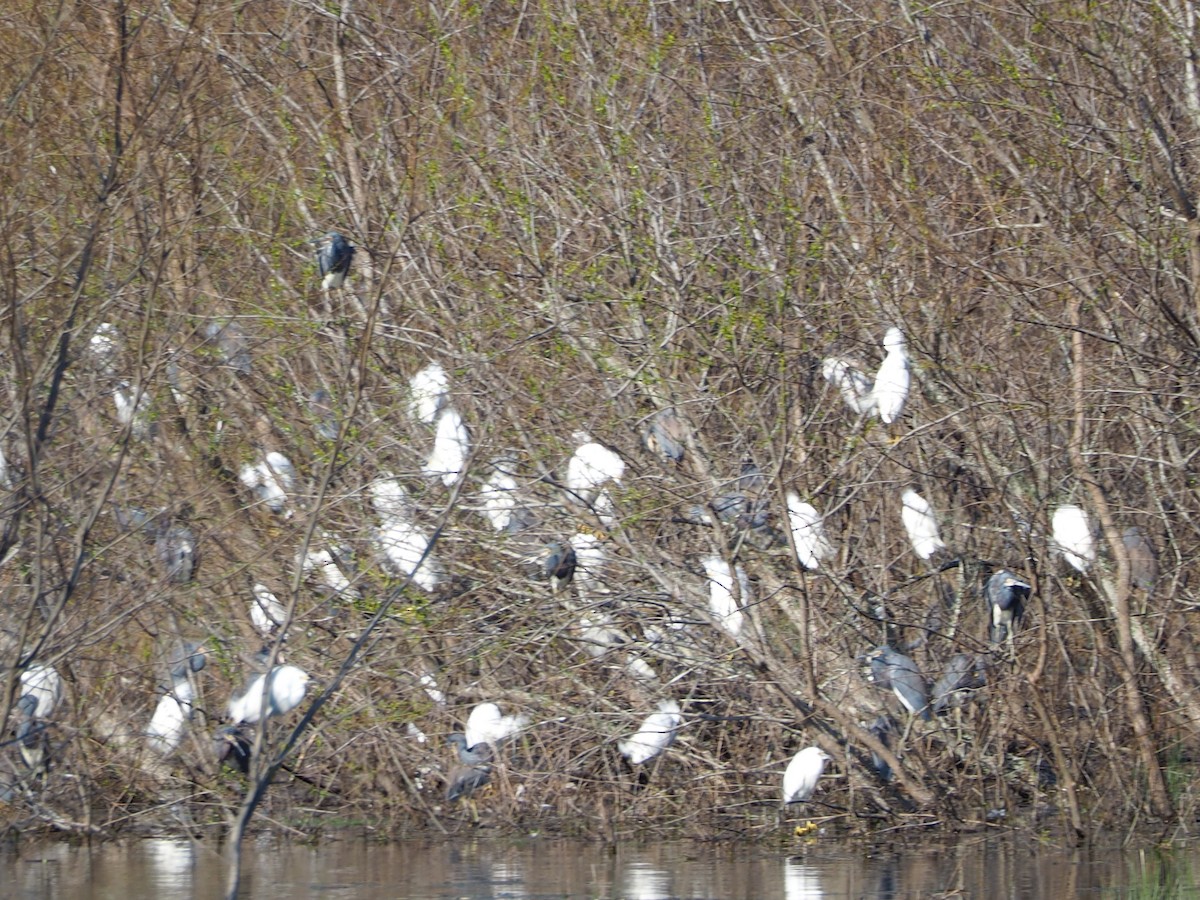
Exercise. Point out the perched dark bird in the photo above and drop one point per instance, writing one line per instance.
(1143, 560)
(31, 733)
(479, 755)
(963, 675)
(474, 771)
(1006, 595)
(560, 564)
(232, 345)
(176, 548)
(892, 669)
(666, 436)
(334, 255)
(882, 729)
(232, 745)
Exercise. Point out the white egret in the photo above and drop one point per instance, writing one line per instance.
(427, 392)
(103, 348)
(854, 386)
(266, 611)
(655, 735)
(485, 725)
(724, 605)
(174, 711)
(591, 466)
(133, 411)
(499, 493)
(590, 558)
(920, 523)
(328, 563)
(808, 532)
(1073, 536)
(892, 379)
(450, 448)
(404, 544)
(45, 685)
(388, 497)
(272, 479)
(285, 687)
(802, 774)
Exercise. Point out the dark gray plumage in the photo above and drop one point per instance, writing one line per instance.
(666, 436)
(560, 564)
(479, 755)
(232, 746)
(882, 729)
(31, 733)
(466, 780)
(1143, 559)
(964, 674)
(334, 255)
(233, 347)
(892, 669)
(176, 549)
(1006, 595)
(191, 658)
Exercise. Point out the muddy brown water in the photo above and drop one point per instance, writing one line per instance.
(1003, 867)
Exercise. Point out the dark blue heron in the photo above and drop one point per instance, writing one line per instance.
(1006, 595)
(964, 674)
(479, 755)
(882, 730)
(334, 255)
(559, 565)
(176, 548)
(892, 669)
(474, 771)
(232, 745)
(666, 436)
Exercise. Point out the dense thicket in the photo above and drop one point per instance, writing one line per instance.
(587, 212)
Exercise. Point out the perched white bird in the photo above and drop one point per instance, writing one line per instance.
(169, 722)
(808, 532)
(724, 606)
(656, 734)
(284, 687)
(592, 466)
(271, 479)
(590, 557)
(388, 497)
(134, 413)
(427, 393)
(1074, 537)
(485, 724)
(103, 348)
(499, 494)
(450, 448)
(266, 612)
(326, 562)
(45, 684)
(404, 546)
(855, 387)
(436, 694)
(892, 379)
(802, 774)
(921, 524)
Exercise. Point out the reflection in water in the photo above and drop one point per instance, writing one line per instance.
(466, 868)
(644, 882)
(800, 881)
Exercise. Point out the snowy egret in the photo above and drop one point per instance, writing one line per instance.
(38, 695)
(329, 562)
(284, 687)
(964, 674)
(499, 493)
(451, 445)
(892, 669)
(802, 774)
(388, 497)
(266, 612)
(103, 348)
(1143, 559)
(921, 524)
(724, 605)
(892, 379)
(427, 392)
(854, 386)
(271, 479)
(1073, 536)
(1006, 595)
(485, 725)
(133, 411)
(169, 722)
(334, 255)
(808, 532)
(404, 546)
(656, 734)
(591, 466)
(666, 435)
(590, 558)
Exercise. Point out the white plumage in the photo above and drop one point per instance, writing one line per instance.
(450, 448)
(892, 379)
(427, 392)
(921, 524)
(44, 683)
(499, 495)
(266, 612)
(808, 532)
(404, 544)
(331, 573)
(656, 734)
(721, 600)
(802, 774)
(485, 724)
(1074, 537)
(590, 557)
(855, 387)
(133, 411)
(271, 479)
(169, 722)
(591, 466)
(285, 690)
(104, 346)
(388, 497)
